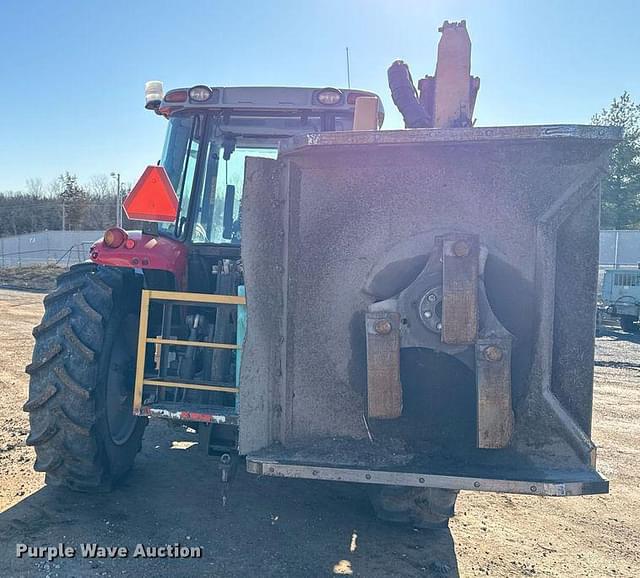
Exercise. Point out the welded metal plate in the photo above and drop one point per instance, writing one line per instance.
(581, 484)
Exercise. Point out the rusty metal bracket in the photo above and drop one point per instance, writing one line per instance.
(460, 263)
(384, 390)
(493, 386)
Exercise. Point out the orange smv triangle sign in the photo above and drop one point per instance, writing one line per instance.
(153, 198)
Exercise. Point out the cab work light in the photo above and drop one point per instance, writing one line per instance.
(329, 96)
(200, 93)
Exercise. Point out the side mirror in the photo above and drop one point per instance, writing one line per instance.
(229, 202)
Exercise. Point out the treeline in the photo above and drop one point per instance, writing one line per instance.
(64, 205)
(620, 206)
(69, 205)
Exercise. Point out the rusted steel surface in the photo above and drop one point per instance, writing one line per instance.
(460, 289)
(384, 390)
(455, 90)
(493, 384)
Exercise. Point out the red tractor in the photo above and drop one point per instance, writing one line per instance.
(417, 318)
(83, 376)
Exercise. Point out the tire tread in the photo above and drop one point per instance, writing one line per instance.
(64, 376)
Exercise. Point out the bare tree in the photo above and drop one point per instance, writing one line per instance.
(35, 187)
(100, 185)
(55, 187)
(62, 204)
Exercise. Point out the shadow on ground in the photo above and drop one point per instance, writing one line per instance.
(269, 526)
(615, 333)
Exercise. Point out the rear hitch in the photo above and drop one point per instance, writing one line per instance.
(225, 467)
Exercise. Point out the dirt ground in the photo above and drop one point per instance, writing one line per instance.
(274, 527)
(30, 277)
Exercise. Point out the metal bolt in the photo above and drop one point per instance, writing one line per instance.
(427, 314)
(438, 326)
(476, 484)
(492, 353)
(431, 297)
(367, 476)
(461, 248)
(421, 480)
(533, 489)
(382, 327)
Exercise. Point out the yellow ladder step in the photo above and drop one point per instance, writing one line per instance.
(162, 383)
(163, 341)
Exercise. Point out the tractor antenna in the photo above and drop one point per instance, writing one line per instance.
(348, 68)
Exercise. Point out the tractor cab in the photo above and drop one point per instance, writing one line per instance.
(209, 138)
(210, 133)
(187, 255)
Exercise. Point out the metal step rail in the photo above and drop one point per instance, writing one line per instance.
(177, 410)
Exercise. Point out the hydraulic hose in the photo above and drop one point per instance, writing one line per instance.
(405, 97)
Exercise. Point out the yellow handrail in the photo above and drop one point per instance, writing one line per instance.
(143, 340)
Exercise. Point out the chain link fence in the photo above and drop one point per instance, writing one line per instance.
(617, 248)
(63, 248)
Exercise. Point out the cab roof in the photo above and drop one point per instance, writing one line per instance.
(263, 98)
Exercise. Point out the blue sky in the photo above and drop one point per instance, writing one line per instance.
(72, 71)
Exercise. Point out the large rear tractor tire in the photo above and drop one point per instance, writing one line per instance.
(428, 508)
(82, 377)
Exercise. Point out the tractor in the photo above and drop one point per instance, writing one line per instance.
(401, 309)
(87, 426)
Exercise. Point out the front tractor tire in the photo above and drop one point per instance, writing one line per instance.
(82, 377)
